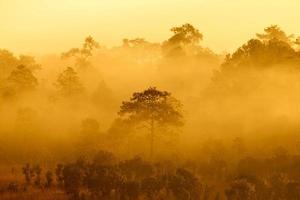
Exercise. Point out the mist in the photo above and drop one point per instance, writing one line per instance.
(169, 102)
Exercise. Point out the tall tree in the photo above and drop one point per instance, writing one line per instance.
(68, 82)
(81, 55)
(153, 108)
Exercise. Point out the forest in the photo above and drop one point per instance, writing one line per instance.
(153, 121)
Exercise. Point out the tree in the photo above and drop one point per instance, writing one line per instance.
(102, 177)
(29, 62)
(82, 54)
(8, 62)
(104, 158)
(136, 168)
(184, 185)
(27, 172)
(152, 108)
(59, 174)
(49, 179)
(131, 189)
(37, 170)
(241, 189)
(273, 47)
(185, 36)
(73, 175)
(274, 32)
(272, 50)
(68, 83)
(20, 79)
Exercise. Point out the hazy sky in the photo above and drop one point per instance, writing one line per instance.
(47, 26)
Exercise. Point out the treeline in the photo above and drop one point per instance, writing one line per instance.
(107, 177)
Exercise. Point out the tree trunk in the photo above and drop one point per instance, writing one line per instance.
(151, 139)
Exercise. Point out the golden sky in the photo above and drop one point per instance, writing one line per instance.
(48, 26)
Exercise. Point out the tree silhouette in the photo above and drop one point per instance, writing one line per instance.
(184, 37)
(27, 172)
(73, 175)
(49, 179)
(29, 62)
(37, 170)
(8, 63)
(152, 108)
(274, 32)
(136, 168)
(82, 54)
(59, 174)
(272, 50)
(21, 79)
(68, 83)
(184, 185)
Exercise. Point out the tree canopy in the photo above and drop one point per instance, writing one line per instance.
(153, 108)
(272, 47)
(82, 54)
(152, 105)
(9, 62)
(275, 32)
(68, 82)
(184, 39)
(185, 35)
(22, 79)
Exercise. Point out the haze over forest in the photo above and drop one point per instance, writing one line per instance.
(168, 118)
(39, 27)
